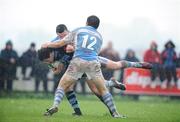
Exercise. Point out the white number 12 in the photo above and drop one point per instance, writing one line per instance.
(89, 46)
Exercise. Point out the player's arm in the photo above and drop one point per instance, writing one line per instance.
(53, 44)
(66, 40)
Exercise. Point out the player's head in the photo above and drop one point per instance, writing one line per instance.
(46, 55)
(93, 21)
(61, 30)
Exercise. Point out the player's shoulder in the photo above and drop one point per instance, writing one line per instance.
(78, 29)
(57, 38)
(85, 28)
(88, 29)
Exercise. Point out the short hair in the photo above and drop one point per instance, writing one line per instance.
(32, 44)
(61, 28)
(9, 43)
(93, 21)
(44, 53)
(171, 43)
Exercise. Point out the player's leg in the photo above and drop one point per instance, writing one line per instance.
(115, 65)
(106, 97)
(95, 91)
(108, 83)
(98, 80)
(71, 97)
(65, 82)
(70, 77)
(126, 64)
(114, 83)
(70, 94)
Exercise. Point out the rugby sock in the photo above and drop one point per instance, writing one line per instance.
(73, 101)
(101, 98)
(131, 64)
(108, 101)
(109, 83)
(59, 94)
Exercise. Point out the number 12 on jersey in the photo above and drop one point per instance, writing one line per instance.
(90, 45)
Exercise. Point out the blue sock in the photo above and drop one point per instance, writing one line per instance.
(73, 101)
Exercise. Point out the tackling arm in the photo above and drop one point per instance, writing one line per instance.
(54, 44)
(66, 40)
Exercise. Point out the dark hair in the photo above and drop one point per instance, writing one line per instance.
(61, 28)
(93, 21)
(9, 43)
(32, 44)
(44, 53)
(171, 43)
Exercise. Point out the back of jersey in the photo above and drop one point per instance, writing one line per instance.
(88, 43)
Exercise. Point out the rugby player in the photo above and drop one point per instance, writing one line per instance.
(88, 42)
(62, 57)
(85, 60)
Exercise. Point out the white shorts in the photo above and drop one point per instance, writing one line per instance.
(78, 67)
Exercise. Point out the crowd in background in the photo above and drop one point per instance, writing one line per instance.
(9, 61)
(164, 63)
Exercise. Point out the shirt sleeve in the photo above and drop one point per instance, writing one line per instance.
(69, 38)
(55, 39)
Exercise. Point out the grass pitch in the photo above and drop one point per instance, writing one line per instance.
(31, 110)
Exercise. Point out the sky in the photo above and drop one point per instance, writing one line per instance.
(129, 24)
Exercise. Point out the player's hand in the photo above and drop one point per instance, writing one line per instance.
(55, 71)
(69, 49)
(58, 69)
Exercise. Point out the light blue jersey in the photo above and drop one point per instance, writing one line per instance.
(56, 39)
(87, 42)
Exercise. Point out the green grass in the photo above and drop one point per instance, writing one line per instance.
(145, 110)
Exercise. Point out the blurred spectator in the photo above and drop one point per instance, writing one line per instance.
(153, 56)
(110, 53)
(28, 60)
(9, 57)
(41, 71)
(169, 62)
(2, 73)
(178, 61)
(130, 56)
(178, 66)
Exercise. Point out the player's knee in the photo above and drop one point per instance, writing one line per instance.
(102, 90)
(94, 90)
